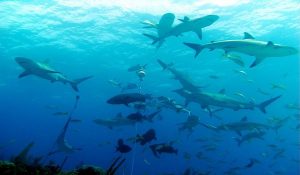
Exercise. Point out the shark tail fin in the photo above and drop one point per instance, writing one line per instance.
(262, 106)
(76, 82)
(197, 47)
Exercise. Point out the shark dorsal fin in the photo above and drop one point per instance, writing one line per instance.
(270, 43)
(248, 36)
(244, 119)
(185, 19)
(222, 91)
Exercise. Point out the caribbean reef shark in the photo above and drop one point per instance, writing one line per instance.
(185, 81)
(165, 28)
(239, 127)
(249, 46)
(44, 71)
(62, 144)
(117, 121)
(207, 99)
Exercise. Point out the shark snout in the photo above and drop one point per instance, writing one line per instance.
(22, 60)
(212, 18)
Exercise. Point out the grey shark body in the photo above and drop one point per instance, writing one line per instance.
(44, 71)
(206, 99)
(117, 121)
(249, 46)
(239, 127)
(250, 136)
(185, 81)
(61, 143)
(165, 28)
(191, 122)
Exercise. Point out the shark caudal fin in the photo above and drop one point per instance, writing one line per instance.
(197, 47)
(262, 106)
(76, 82)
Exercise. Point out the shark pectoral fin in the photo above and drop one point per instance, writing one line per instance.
(198, 31)
(257, 61)
(24, 74)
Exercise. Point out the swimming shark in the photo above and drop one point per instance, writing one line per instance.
(43, 70)
(207, 99)
(117, 121)
(61, 143)
(239, 126)
(191, 122)
(165, 28)
(249, 46)
(250, 136)
(185, 81)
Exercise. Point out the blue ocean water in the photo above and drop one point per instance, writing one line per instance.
(104, 38)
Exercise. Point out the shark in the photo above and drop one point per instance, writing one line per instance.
(249, 46)
(250, 136)
(43, 70)
(191, 122)
(185, 81)
(117, 121)
(207, 99)
(239, 126)
(166, 29)
(62, 144)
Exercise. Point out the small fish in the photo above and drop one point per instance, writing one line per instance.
(264, 154)
(251, 163)
(272, 146)
(214, 77)
(241, 72)
(278, 86)
(147, 162)
(187, 156)
(293, 106)
(240, 95)
(136, 67)
(76, 120)
(60, 113)
(104, 143)
(129, 86)
(262, 92)
(115, 83)
(235, 58)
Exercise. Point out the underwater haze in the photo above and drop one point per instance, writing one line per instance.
(231, 108)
